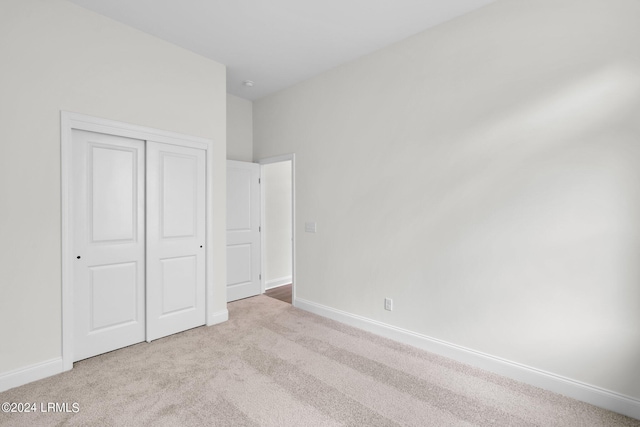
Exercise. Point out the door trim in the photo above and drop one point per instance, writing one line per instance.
(277, 159)
(74, 121)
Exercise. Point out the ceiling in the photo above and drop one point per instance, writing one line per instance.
(278, 43)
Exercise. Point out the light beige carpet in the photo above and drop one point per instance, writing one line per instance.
(274, 365)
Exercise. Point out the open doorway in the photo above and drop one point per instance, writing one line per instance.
(278, 231)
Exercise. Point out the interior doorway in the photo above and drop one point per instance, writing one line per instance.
(278, 227)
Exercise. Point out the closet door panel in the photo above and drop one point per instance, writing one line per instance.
(107, 218)
(175, 239)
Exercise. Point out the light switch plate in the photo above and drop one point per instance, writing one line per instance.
(310, 227)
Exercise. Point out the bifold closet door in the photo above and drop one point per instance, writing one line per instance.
(175, 239)
(108, 238)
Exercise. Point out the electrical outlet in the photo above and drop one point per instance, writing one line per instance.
(388, 304)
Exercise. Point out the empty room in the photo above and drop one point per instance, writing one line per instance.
(337, 213)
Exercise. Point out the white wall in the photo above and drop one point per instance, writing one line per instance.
(276, 189)
(239, 129)
(57, 56)
(483, 174)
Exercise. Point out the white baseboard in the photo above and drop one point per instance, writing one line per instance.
(28, 374)
(218, 317)
(597, 396)
(274, 283)
(55, 366)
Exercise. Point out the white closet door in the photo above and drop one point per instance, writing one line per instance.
(108, 240)
(243, 230)
(175, 239)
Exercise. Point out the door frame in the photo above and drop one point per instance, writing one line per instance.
(278, 159)
(74, 121)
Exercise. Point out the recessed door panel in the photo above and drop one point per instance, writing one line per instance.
(113, 295)
(108, 178)
(239, 182)
(179, 284)
(238, 264)
(179, 194)
(113, 190)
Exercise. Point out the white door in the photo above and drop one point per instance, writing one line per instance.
(243, 230)
(175, 239)
(107, 196)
